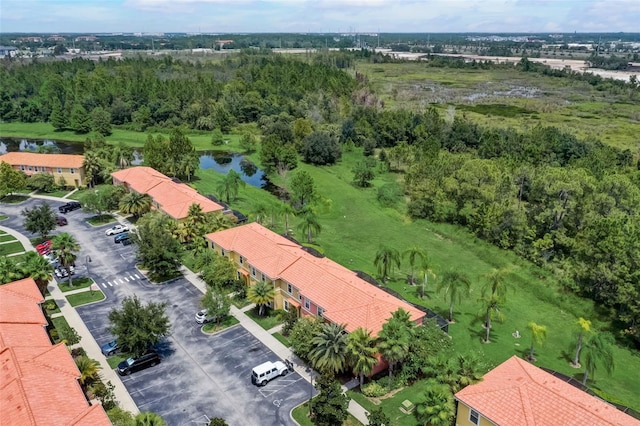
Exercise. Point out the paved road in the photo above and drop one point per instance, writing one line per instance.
(200, 375)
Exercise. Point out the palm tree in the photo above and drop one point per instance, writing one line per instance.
(121, 155)
(386, 259)
(8, 270)
(493, 305)
(217, 221)
(468, 370)
(495, 284)
(88, 369)
(413, 254)
(286, 211)
(260, 212)
(538, 335)
(437, 407)
(309, 224)
(64, 247)
(393, 343)
(361, 352)
(597, 350)
(261, 293)
(38, 268)
(584, 328)
(329, 353)
(455, 285)
(148, 419)
(135, 203)
(230, 185)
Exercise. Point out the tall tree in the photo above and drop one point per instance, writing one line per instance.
(302, 189)
(100, 121)
(387, 258)
(393, 343)
(538, 335)
(361, 351)
(584, 328)
(148, 419)
(454, 285)
(65, 247)
(363, 172)
(138, 326)
(436, 406)
(496, 283)
(493, 309)
(40, 219)
(329, 353)
(58, 117)
(414, 254)
(597, 350)
(80, 121)
(37, 267)
(331, 405)
(261, 293)
(89, 369)
(230, 185)
(135, 203)
(158, 251)
(216, 303)
(10, 180)
(309, 224)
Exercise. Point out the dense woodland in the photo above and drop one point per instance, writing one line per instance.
(567, 204)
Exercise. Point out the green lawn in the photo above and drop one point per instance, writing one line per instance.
(212, 327)
(10, 248)
(14, 199)
(60, 193)
(7, 237)
(115, 360)
(51, 304)
(101, 220)
(85, 297)
(282, 339)
(3, 217)
(268, 321)
(77, 284)
(58, 323)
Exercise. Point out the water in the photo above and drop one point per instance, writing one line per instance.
(220, 161)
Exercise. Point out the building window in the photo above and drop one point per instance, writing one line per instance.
(23, 168)
(253, 271)
(320, 312)
(59, 170)
(286, 305)
(30, 168)
(474, 417)
(264, 278)
(241, 260)
(73, 171)
(289, 289)
(300, 296)
(307, 305)
(213, 245)
(238, 275)
(222, 252)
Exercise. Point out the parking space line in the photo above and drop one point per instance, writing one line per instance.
(126, 279)
(104, 285)
(136, 275)
(109, 282)
(274, 387)
(121, 282)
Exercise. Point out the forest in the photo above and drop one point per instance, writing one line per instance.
(568, 204)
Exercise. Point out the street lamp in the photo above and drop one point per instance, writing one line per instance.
(87, 261)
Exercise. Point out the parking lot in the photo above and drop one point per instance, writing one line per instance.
(200, 376)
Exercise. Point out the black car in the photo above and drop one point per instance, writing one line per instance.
(69, 207)
(131, 365)
(61, 220)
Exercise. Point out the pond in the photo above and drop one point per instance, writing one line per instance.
(220, 161)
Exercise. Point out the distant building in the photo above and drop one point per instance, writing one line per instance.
(8, 51)
(70, 167)
(86, 38)
(56, 38)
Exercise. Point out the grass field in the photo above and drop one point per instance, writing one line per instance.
(11, 248)
(508, 98)
(268, 321)
(7, 237)
(115, 360)
(301, 415)
(227, 322)
(77, 284)
(85, 297)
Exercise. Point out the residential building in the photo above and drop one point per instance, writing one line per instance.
(7, 51)
(308, 284)
(517, 393)
(167, 195)
(38, 381)
(65, 166)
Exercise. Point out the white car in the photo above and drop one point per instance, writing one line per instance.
(118, 229)
(201, 317)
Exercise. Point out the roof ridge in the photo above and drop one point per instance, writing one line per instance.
(54, 348)
(529, 416)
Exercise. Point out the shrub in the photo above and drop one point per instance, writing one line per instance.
(50, 305)
(104, 393)
(374, 389)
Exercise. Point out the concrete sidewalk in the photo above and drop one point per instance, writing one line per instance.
(87, 341)
(355, 409)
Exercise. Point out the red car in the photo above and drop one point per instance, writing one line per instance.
(44, 248)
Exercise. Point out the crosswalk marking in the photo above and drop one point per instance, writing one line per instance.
(120, 279)
(109, 282)
(136, 275)
(126, 279)
(104, 285)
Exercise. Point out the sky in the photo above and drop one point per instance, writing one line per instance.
(318, 16)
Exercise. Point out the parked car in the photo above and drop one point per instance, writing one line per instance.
(201, 317)
(121, 237)
(266, 371)
(61, 272)
(118, 229)
(127, 242)
(44, 247)
(61, 220)
(110, 349)
(69, 207)
(52, 259)
(131, 365)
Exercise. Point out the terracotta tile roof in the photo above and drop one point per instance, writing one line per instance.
(173, 198)
(38, 382)
(345, 298)
(43, 160)
(520, 394)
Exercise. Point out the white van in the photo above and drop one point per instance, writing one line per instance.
(266, 371)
